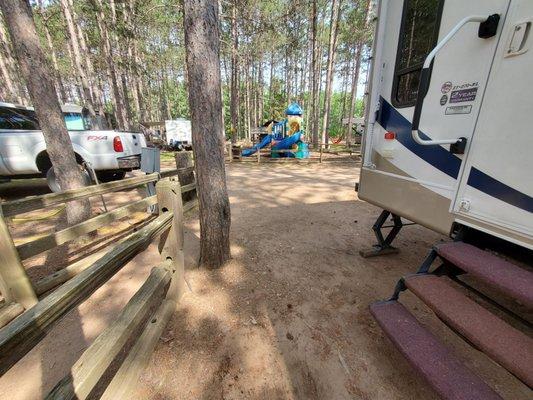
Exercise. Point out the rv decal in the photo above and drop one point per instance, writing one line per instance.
(444, 100)
(463, 95)
(454, 110)
(446, 87)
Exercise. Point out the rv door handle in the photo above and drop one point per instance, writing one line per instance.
(487, 29)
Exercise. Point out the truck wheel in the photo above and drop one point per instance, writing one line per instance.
(53, 182)
(110, 176)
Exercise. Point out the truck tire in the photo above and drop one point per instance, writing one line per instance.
(110, 176)
(53, 183)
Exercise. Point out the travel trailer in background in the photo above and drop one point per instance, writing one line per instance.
(448, 145)
(179, 133)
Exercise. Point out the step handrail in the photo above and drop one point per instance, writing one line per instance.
(425, 78)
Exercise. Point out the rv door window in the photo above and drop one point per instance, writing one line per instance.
(18, 119)
(418, 35)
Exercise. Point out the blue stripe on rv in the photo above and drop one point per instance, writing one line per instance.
(438, 157)
(391, 120)
(487, 184)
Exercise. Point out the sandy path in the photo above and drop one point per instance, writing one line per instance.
(287, 318)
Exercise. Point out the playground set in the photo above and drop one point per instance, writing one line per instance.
(285, 138)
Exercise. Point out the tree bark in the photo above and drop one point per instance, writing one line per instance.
(111, 66)
(315, 76)
(234, 90)
(60, 88)
(332, 50)
(353, 94)
(202, 48)
(36, 72)
(8, 69)
(100, 121)
(79, 64)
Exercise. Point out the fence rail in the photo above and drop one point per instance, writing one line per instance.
(233, 153)
(126, 344)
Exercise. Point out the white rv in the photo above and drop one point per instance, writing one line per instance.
(461, 152)
(449, 145)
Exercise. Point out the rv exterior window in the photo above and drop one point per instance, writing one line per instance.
(18, 118)
(418, 35)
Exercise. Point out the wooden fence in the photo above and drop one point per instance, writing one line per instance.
(26, 318)
(233, 153)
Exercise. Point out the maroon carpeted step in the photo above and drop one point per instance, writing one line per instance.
(506, 345)
(504, 276)
(434, 361)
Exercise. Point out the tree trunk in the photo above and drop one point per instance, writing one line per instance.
(60, 88)
(34, 68)
(8, 69)
(79, 64)
(332, 50)
(111, 67)
(234, 90)
(315, 76)
(271, 86)
(353, 94)
(100, 121)
(202, 48)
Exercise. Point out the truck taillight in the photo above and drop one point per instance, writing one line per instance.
(117, 144)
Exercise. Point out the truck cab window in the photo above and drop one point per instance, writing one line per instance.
(418, 35)
(18, 119)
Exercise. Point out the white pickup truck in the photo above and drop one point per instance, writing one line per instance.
(23, 151)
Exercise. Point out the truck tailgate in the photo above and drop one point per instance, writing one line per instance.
(132, 142)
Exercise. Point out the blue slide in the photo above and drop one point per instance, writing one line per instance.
(284, 144)
(287, 143)
(265, 142)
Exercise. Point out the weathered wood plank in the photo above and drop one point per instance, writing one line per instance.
(93, 363)
(124, 382)
(30, 249)
(19, 337)
(10, 312)
(167, 173)
(16, 284)
(32, 203)
(171, 245)
(190, 205)
(57, 278)
(188, 188)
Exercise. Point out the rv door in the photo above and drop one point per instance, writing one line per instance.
(496, 188)
(412, 177)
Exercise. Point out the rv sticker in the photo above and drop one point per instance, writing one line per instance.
(454, 110)
(446, 87)
(463, 95)
(444, 100)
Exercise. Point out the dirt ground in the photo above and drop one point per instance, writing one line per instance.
(287, 318)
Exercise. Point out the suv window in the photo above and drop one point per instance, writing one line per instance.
(17, 118)
(418, 35)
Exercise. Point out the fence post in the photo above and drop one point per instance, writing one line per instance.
(12, 273)
(171, 242)
(258, 155)
(320, 153)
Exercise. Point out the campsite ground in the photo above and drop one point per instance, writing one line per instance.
(287, 318)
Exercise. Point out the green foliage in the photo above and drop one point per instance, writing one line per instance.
(272, 35)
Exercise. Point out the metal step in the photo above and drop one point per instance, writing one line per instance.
(506, 345)
(502, 275)
(432, 359)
